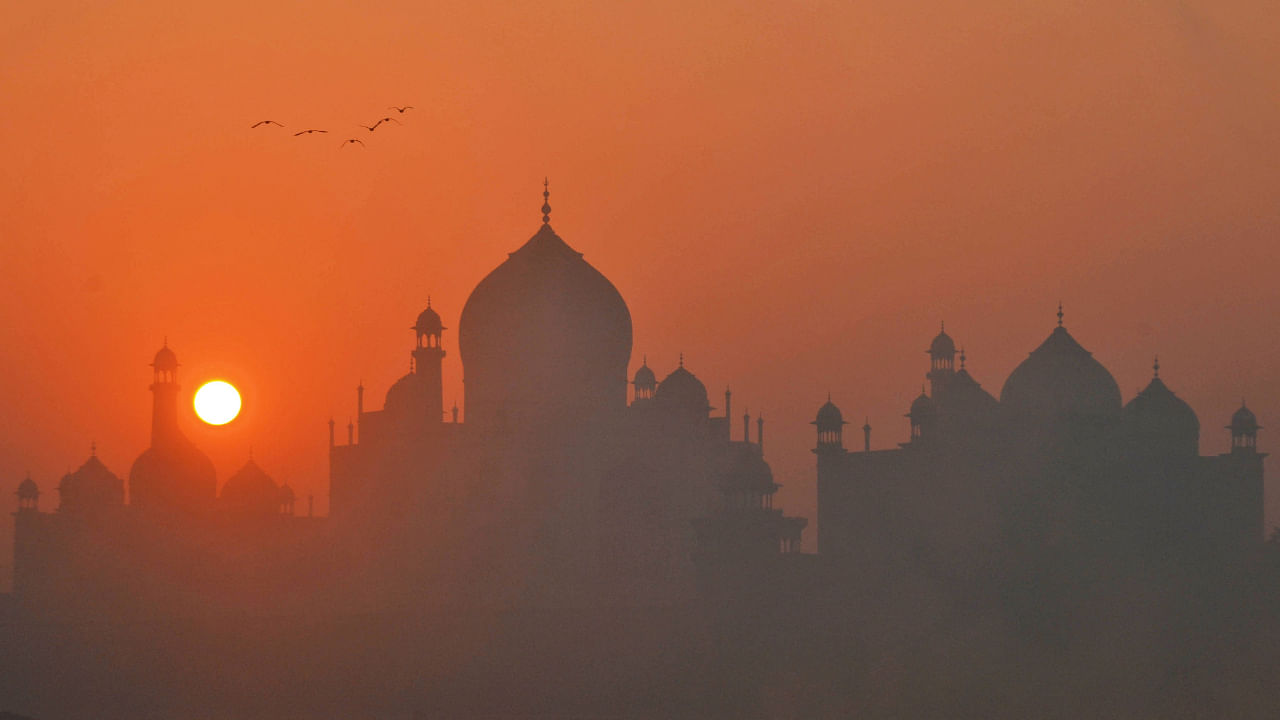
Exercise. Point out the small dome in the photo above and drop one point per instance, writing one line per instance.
(1061, 379)
(683, 391)
(286, 494)
(90, 486)
(174, 475)
(28, 488)
(645, 377)
(749, 473)
(409, 393)
(1158, 414)
(942, 345)
(250, 489)
(922, 406)
(165, 359)
(429, 322)
(829, 416)
(1244, 421)
(962, 398)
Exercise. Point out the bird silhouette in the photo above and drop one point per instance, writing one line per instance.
(348, 141)
(265, 122)
(372, 127)
(400, 109)
(308, 132)
(388, 119)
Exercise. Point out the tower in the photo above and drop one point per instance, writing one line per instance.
(428, 359)
(172, 474)
(1244, 430)
(830, 424)
(942, 361)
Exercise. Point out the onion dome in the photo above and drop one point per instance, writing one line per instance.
(173, 475)
(1243, 421)
(749, 474)
(683, 392)
(963, 396)
(250, 490)
(429, 322)
(90, 487)
(1157, 415)
(545, 332)
(942, 345)
(922, 407)
(644, 376)
(165, 359)
(28, 490)
(406, 395)
(1061, 379)
(829, 417)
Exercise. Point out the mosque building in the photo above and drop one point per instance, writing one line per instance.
(567, 484)
(1058, 466)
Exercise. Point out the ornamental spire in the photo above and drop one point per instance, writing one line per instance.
(546, 202)
(1059, 313)
(1156, 366)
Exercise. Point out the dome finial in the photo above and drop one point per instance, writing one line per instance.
(93, 448)
(644, 360)
(681, 359)
(1059, 313)
(546, 201)
(942, 326)
(1156, 366)
(428, 302)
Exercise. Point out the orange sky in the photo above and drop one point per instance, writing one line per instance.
(792, 194)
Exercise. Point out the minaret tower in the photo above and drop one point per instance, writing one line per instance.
(164, 400)
(942, 361)
(428, 358)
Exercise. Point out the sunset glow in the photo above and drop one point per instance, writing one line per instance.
(217, 402)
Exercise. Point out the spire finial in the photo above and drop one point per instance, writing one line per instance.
(644, 360)
(962, 358)
(166, 340)
(828, 396)
(1156, 366)
(546, 201)
(942, 326)
(93, 448)
(428, 301)
(681, 359)
(1059, 313)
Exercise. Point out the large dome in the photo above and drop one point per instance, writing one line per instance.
(1061, 379)
(544, 333)
(251, 490)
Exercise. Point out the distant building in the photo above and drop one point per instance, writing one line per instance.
(1058, 468)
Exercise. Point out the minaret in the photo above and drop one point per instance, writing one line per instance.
(866, 436)
(360, 403)
(760, 432)
(428, 357)
(164, 402)
(746, 427)
(331, 442)
(942, 360)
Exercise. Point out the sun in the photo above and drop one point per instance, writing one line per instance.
(217, 402)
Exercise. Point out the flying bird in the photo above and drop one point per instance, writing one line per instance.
(388, 119)
(265, 122)
(372, 127)
(400, 109)
(307, 132)
(348, 141)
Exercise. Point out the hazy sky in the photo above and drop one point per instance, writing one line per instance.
(792, 194)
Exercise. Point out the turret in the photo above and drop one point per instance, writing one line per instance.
(830, 425)
(28, 495)
(942, 360)
(1244, 430)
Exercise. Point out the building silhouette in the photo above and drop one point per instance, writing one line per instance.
(1058, 475)
(558, 485)
(578, 539)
